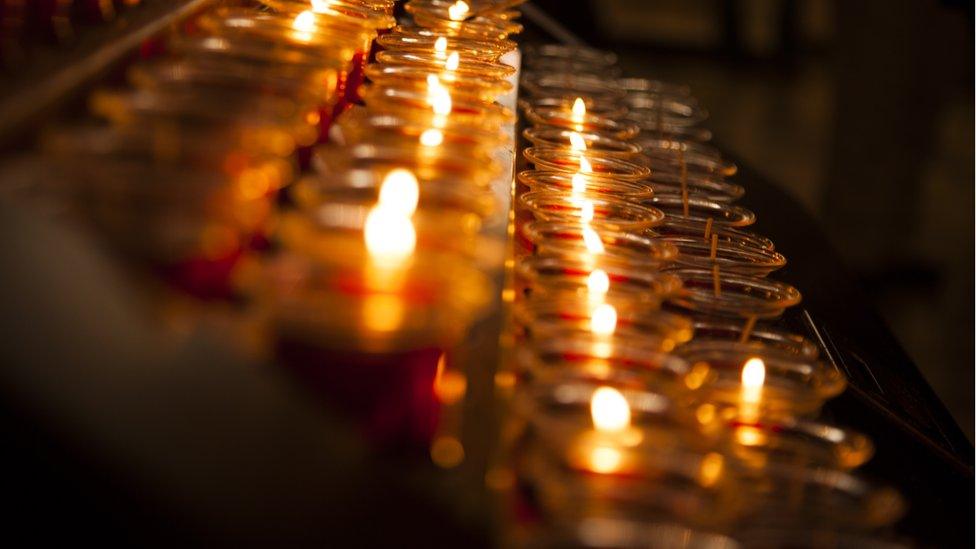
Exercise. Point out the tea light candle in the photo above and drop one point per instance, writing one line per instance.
(555, 182)
(609, 213)
(699, 254)
(569, 239)
(741, 296)
(672, 227)
(701, 210)
(709, 330)
(585, 163)
(546, 274)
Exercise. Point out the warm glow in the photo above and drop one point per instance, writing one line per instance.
(605, 459)
(321, 6)
(453, 61)
(438, 96)
(440, 46)
(598, 282)
(576, 142)
(389, 233)
(609, 410)
(585, 165)
(603, 321)
(592, 240)
(383, 312)
(458, 11)
(431, 137)
(753, 377)
(579, 183)
(587, 211)
(400, 192)
(711, 469)
(304, 24)
(390, 236)
(579, 110)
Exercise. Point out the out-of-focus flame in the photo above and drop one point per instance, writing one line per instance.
(609, 410)
(576, 142)
(753, 378)
(400, 192)
(389, 233)
(440, 46)
(453, 61)
(458, 11)
(603, 321)
(579, 183)
(321, 6)
(592, 241)
(304, 24)
(438, 96)
(585, 166)
(431, 137)
(579, 110)
(598, 283)
(587, 211)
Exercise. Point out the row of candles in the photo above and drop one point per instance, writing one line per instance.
(655, 400)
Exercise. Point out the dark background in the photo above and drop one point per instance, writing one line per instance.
(863, 111)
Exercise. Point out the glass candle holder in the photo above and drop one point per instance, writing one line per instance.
(697, 254)
(738, 296)
(674, 160)
(549, 316)
(757, 443)
(478, 27)
(486, 50)
(607, 213)
(395, 100)
(589, 479)
(650, 86)
(672, 227)
(797, 497)
(792, 385)
(434, 61)
(571, 239)
(545, 137)
(427, 163)
(603, 108)
(478, 32)
(702, 209)
(545, 275)
(659, 130)
(656, 109)
(549, 181)
(582, 55)
(359, 125)
(471, 87)
(562, 118)
(667, 145)
(375, 14)
(699, 186)
(708, 330)
(571, 162)
(600, 359)
(571, 85)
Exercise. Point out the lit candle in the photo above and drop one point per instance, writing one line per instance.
(458, 11)
(610, 413)
(753, 379)
(579, 113)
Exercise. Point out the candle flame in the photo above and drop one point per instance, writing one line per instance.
(438, 96)
(440, 45)
(458, 11)
(605, 459)
(304, 24)
(753, 377)
(431, 137)
(579, 183)
(576, 142)
(400, 192)
(321, 6)
(579, 110)
(585, 165)
(453, 61)
(603, 321)
(389, 233)
(587, 211)
(598, 282)
(592, 240)
(609, 410)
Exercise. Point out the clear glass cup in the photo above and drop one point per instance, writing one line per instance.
(608, 213)
(549, 181)
(472, 87)
(740, 296)
(671, 183)
(559, 138)
(696, 253)
(600, 107)
(571, 85)
(433, 61)
(559, 275)
(396, 99)
(701, 210)
(673, 227)
(570, 239)
(487, 50)
(563, 118)
(717, 329)
(568, 161)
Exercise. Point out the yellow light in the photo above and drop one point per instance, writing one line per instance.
(753, 377)
(440, 46)
(609, 410)
(321, 6)
(431, 137)
(400, 192)
(592, 240)
(585, 165)
(605, 459)
(304, 24)
(383, 312)
(438, 96)
(579, 183)
(711, 469)
(587, 211)
(458, 11)
(598, 282)
(603, 321)
(390, 235)
(453, 61)
(576, 142)
(579, 110)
